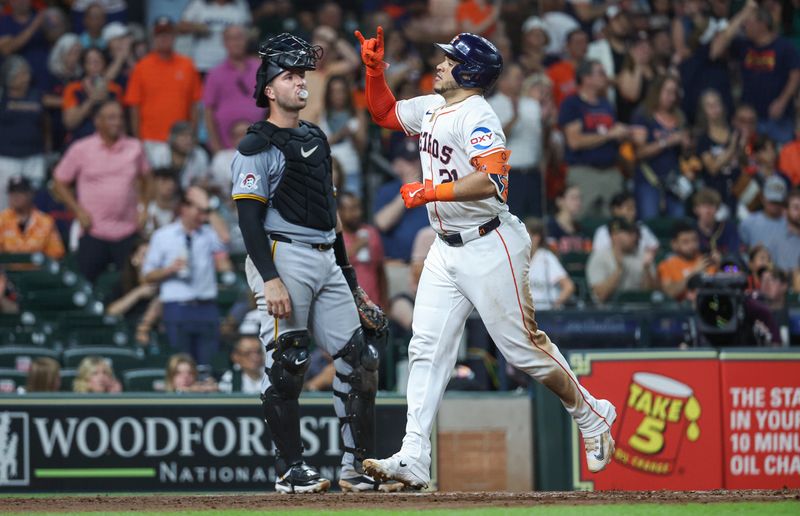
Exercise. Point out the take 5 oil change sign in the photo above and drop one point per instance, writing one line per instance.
(761, 419)
(668, 427)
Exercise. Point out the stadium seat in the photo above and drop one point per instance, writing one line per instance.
(575, 263)
(76, 320)
(229, 288)
(121, 359)
(20, 357)
(11, 379)
(589, 225)
(37, 259)
(26, 337)
(662, 227)
(106, 284)
(143, 380)
(583, 293)
(238, 260)
(57, 299)
(221, 361)
(97, 336)
(68, 379)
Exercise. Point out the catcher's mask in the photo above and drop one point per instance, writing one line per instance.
(280, 53)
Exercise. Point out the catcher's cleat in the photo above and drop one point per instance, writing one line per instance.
(600, 449)
(363, 483)
(302, 478)
(396, 468)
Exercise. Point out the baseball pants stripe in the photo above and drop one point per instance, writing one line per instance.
(484, 274)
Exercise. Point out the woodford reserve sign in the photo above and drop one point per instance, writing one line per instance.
(164, 443)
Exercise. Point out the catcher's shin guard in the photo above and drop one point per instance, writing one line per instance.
(359, 403)
(279, 401)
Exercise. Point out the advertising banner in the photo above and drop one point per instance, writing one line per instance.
(164, 443)
(761, 419)
(668, 427)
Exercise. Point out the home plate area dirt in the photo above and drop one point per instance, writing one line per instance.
(334, 501)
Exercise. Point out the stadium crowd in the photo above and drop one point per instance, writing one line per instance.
(652, 141)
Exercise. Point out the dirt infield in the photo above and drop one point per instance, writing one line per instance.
(334, 501)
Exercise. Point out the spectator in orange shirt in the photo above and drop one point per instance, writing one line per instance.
(163, 88)
(675, 271)
(82, 97)
(562, 73)
(23, 228)
(478, 17)
(789, 159)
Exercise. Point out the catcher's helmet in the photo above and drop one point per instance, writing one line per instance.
(479, 61)
(280, 53)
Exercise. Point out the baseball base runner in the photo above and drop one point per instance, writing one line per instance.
(480, 258)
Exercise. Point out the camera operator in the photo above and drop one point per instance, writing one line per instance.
(725, 315)
(686, 261)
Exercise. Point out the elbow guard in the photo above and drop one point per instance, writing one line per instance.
(495, 165)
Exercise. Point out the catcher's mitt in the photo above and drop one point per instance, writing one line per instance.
(372, 317)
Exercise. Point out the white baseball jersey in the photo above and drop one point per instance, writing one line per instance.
(449, 136)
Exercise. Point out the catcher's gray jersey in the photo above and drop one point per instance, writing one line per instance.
(256, 177)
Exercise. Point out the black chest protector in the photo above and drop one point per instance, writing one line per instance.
(304, 195)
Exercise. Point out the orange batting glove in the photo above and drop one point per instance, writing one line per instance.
(372, 52)
(416, 194)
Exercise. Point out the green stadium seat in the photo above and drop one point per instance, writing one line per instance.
(20, 357)
(575, 263)
(70, 262)
(46, 278)
(143, 380)
(583, 294)
(106, 284)
(589, 225)
(9, 320)
(26, 337)
(76, 320)
(158, 360)
(37, 259)
(11, 379)
(97, 336)
(68, 379)
(221, 361)
(238, 260)
(121, 359)
(54, 300)
(229, 287)
(662, 226)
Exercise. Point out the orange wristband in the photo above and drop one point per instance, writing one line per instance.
(445, 191)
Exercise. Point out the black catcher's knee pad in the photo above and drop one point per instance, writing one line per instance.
(281, 408)
(291, 359)
(359, 403)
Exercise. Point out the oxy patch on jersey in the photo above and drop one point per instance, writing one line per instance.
(481, 138)
(248, 181)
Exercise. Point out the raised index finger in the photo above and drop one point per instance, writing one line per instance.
(359, 36)
(380, 36)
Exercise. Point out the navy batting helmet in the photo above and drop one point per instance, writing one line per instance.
(479, 61)
(280, 53)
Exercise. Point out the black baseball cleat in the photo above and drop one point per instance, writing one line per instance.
(302, 478)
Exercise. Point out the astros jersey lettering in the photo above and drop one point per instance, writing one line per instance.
(449, 137)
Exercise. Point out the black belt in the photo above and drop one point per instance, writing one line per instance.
(456, 239)
(281, 238)
(194, 302)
